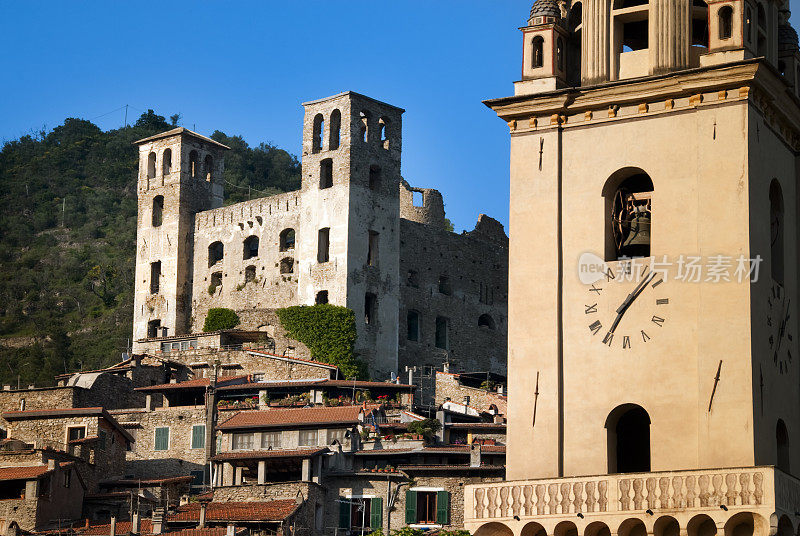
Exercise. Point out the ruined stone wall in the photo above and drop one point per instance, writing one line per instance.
(428, 210)
(476, 267)
(448, 386)
(110, 391)
(144, 461)
(265, 218)
(240, 362)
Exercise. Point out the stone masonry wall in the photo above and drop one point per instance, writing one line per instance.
(448, 386)
(42, 398)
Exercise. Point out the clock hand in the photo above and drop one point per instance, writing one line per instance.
(629, 300)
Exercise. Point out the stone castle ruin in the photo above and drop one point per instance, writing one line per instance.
(355, 234)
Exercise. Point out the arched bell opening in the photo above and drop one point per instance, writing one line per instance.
(629, 214)
(628, 436)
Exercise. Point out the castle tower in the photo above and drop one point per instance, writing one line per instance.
(348, 240)
(180, 174)
(660, 394)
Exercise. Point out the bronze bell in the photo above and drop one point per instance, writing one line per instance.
(639, 231)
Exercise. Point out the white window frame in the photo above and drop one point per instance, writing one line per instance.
(73, 427)
(427, 525)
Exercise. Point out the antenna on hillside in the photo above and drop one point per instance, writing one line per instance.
(126, 115)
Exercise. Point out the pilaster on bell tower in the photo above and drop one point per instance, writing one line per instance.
(180, 174)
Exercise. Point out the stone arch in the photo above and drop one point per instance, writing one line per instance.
(725, 22)
(533, 529)
(632, 527)
(286, 240)
(666, 526)
(628, 433)
(335, 130)
(216, 252)
(383, 132)
(365, 119)
(493, 529)
(701, 525)
(565, 528)
(596, 528)
(785, 527)
(250, 247)
(208, 164)
(486, 321)
(628, 195)
(317, 133)
(537, 52)
(158, 211)
(166, 162)
(151, 165)
(193, 164)
(746, 524)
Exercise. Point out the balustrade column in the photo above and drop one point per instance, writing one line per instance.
(595, 42)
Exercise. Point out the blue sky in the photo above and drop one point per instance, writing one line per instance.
(245, 67)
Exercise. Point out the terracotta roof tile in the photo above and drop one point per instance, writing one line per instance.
(279, 418)
(261, 454)
(22, 473)
(196, 383)
(298, 359)
(123, 527)
(236, 511)
(450, 468)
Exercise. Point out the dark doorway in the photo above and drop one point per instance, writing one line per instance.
(628, 440)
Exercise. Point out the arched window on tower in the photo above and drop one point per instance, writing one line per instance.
(151, 165)
(216, 251)
(208, 164)
(486, 321)
(628, 434)
(166, 162)
(412, 325)
(574, 44)
(193, 165)
(699, 24)
(725, 21)
(335, 128)
(286, 240)
(748, 23)
(250, 249)
(326, 173)
(383, 128)
(761, 30)
(628, 206)
(783, 452)
(364, 118)
(776, 231)
(560, 53)
(158, 211)
(537, 52)
(317, 133)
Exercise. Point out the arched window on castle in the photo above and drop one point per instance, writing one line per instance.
(628, 436)
(326, 173)
(537, 52)
(193, 164)
(317, 133)
(560, 53)
(412, 323)
(383, 126)
(208, 164)
(699, 24)
(725, 21)
(158, 211)
(784, 454)
(364, 117)
(486, 321)
(628, 207)
(286, 240)
(287, 265)
(151, 165)
(216, 252)
(776, 231)
(250, 247)
(166, 162)
(335, 127)
(249, 274)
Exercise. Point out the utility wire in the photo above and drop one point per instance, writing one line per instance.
(249, 188)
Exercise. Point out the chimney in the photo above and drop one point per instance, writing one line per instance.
(158, 521)
(51, 464)
(500, 389)
(202, 524)
(231, 530)
(113, 530)
(86, 524)
(134, 523)
(475, 455)
(148, 402)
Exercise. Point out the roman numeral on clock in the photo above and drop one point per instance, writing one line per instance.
(608, 338)
(658, 321)
(662, 301)
(595, 326)
(595, 289)
(645, 336)
(610, 275)
(626, 342)
(591, 308)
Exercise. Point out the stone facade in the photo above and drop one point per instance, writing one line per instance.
(348, 237)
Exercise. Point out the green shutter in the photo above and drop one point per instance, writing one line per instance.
(198, 436)
(162, 438)
(102, 439)
(411, 507)
(344, 513)
(376, 513)
(442, 507)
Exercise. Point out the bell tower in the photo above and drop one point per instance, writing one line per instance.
(180, 174)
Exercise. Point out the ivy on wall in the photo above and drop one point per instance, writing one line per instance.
(329, 331)
(220, 318)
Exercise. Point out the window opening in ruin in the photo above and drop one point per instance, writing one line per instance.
(155, 277)
(374, 177)
(413, 278)
(761, 24)
(166, 162)
(323, 245)
(287, 265)
(250, 274)
(270, 440)
(784, 453)
(537, 52)
(335, 128)
(417, 198)
(486, 321)
(151, 165)
(699, 24)
(628, 198)
(308, 438)
(153, 327)
(412, 322)
(370, 308)
(364, 117)
(250, 249)
(725, 19)
(216, 281)
(216, 252)
(383, 131)
(776, 231)
(326, 173)
(243, 441)
(158, 211)
(442, 335)
(560, 53)
(286, 239)
(75, 433)
(372, 249)
(444, 285)
(317, 133)
(193, 164)
(208, 164)
(628, 434)
(322, 297)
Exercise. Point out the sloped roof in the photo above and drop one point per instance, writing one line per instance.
(262, 454)
(277, 510)
(177, 131)
(22, 473)
(280, 418)
(58, 413)
(196, 383)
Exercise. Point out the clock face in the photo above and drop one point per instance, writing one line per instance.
(627, 315)
(779, 328)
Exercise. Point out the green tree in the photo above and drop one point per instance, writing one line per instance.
(220, 318)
